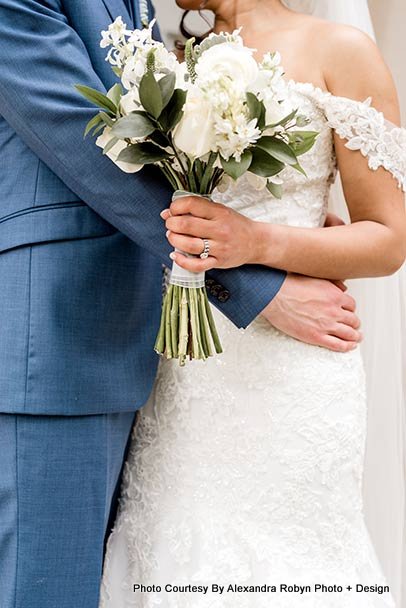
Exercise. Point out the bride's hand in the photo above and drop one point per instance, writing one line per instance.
(232, 237)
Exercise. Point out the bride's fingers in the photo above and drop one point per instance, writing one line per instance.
(188, 244)
(191, 226)
(194, 264)
(195, 205)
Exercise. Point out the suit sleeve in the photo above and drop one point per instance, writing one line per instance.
(41, 58)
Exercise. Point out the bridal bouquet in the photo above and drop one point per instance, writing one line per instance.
(215, 116)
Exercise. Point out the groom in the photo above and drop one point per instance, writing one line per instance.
(82, 246)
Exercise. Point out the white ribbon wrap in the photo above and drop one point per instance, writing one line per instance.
(180, 276)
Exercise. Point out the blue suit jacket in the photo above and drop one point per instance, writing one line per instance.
(81, 242)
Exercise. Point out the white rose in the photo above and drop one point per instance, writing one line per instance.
(113, 153)
(275, 111)
(231, 60)
(195, 134)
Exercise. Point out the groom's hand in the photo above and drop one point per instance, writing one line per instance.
(317, 312)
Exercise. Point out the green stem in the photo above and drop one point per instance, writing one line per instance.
(207, 175)
(183, 327)
(212, 324)
(175, 321)
(204, 325)
(168, 337)
(160, 339)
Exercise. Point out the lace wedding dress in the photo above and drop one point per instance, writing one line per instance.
(247, 469)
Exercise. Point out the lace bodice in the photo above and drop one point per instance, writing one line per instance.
(305, 198)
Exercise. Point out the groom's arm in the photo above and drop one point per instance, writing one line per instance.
(41, 58)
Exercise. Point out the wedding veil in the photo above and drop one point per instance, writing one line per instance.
(382, 307)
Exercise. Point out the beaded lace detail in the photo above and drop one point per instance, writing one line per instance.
(247, 469)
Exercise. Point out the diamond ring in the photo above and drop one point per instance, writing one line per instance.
(206, 251)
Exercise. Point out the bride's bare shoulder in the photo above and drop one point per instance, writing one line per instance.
(352, 64)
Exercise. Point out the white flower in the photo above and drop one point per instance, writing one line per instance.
(129, 51)
(195, 135)
(182, 81)
(275, 111)
(113, 153)
(230, 60)
(115, 34)
(130, 101)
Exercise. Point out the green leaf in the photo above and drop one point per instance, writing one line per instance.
(150, 95)
(94, 122)
(98, 129)
(136, 124)
(143, 154)
(159, 138)
(234, 168)
(254, 106)
(110, 145)
(284, 121)
(278, 149)
(198, 169)
(275, 189)
(106, 119)
(173, 111)
(115, 94)
(264, 165)
(302, 141)
(97, 98)
(300, 169)
(167, 86)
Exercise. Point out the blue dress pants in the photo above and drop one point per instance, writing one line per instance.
(58, 477)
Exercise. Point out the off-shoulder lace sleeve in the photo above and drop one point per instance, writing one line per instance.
(366, 130)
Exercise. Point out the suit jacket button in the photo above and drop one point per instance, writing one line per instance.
(223, 296)
(210, 283)
(215, 290)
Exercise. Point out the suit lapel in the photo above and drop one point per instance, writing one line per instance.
(117, 8)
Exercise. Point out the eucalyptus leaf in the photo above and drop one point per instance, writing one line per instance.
(136, 124)
(110, 145)
(150, 95)
(234, 168)
(97, 98)
(98, 129)
(173, 111)
(94, 122)
(167, 86)
(115, 94)
(264, 165)
(159, 138)
(300, 169)
(278, 149)
(254, 106)
(302, 141)
(275, 189)
(143, 154)
(108, 121)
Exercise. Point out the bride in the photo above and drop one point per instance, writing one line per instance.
(243, 482)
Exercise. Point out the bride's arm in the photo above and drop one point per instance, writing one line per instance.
(373, 244)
